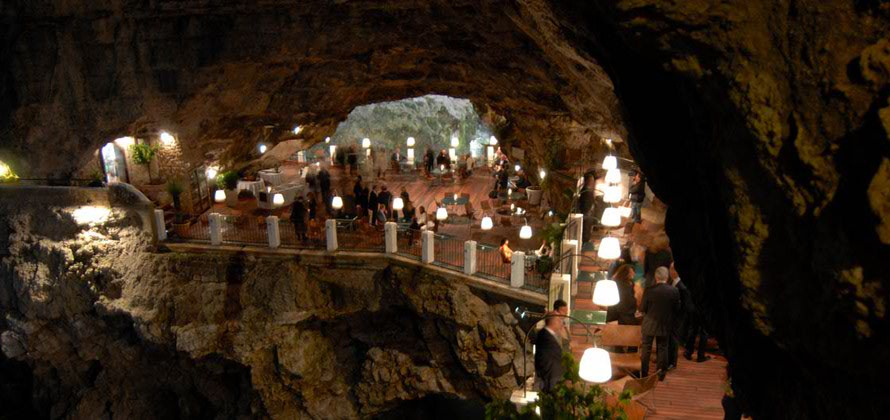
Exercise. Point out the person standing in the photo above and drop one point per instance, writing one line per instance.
(428, 160)
(637, 193)
(548, 354)
(587, 206)
(679, 331)
(397, 159)
(385, 198)
(696, 328)
(660, 302)
(298, 219)
(505, 251)
(562, 308)
(324, 184)
(624, 311)
(311, 205)
(361, 198)
(352, 159)
(372, 204)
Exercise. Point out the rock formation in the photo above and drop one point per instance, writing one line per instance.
(109, 328)
(762, 124)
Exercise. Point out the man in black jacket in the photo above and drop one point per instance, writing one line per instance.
(681, 319)
(548, 354)
(660, 304)
(637, 194)
(587, 205)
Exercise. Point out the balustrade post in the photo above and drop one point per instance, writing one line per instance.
(570, 265)
(427, 254)
(517, 269)
(215, 222)
(272, 232)
(330, 230)
(576, 221)
(160, 225)
(390, 230)
(469, 257)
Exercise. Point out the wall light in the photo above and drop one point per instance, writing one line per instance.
(454, 142)
(167, 139)
(366, 142)
(493, 140)
(297, 130)
(263, 148)
(410, 141)
(212, 171)
(542, 173)
(517, 167)
(125, 142)
(327, 139)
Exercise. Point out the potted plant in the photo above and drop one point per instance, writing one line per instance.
(97, 180)
(180, 222)
(143, 154)
(228, 181)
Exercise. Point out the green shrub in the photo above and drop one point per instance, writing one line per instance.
(227, 180)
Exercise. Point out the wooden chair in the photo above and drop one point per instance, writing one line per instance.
(642, 388)
(623, 336)
(471, 212)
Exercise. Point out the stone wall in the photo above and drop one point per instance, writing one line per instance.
(111, 326)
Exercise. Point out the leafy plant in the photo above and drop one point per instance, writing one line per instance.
(571, 399)
(227, 180)
(143, 154)
(175, 190)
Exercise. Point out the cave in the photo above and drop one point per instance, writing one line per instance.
(763, 126)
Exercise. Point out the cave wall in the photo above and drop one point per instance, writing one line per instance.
(109, 326)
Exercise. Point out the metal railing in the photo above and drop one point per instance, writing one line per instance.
(198, 231)
(314, 235)
(448, 251)
(361, 239)
(243, 230)
(409, 243)
(490, 264)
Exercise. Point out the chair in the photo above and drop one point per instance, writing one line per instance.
(486, 206)
(641, 388)
(471, 212)
(623, 336)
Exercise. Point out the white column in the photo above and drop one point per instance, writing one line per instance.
(301, 157)
(452, 153)
(469, 257)
(411, 155)
(333, 149)
(489, 153)
(570, 264)
(560, 288)
(427, 255)
(517, 269)
(578, 226)
(330, 230)
(390, 230)
(215, 222)
(160, 225)
(272, 232)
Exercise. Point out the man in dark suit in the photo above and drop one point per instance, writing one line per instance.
(385, 198)
(660, 304)
(587, 205)
(396, 160)
(548, 354)
(681, 319)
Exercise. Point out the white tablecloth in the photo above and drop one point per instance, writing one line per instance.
(290, 192)
(271, 177)
(253, 186)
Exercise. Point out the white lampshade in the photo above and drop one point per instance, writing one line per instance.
(263, 148)
(167, 138)
(611, 217)
(366, 142)
(613, 176)
(542, 173)
(486, 223)
(609, 248)
(219, 196)
(595, 366)
(410, 141)
(454, 142)
(398, 203)
(278, 199)
(327, 139)
(610, 162)
(517, 167)
(492, 140)
(337, 202)
(525, 232)
(624, 211)
(612, 194)
(605, 293)
(441, 213)
(510, 192)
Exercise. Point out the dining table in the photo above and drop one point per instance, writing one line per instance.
(271, 177)
(253, 186)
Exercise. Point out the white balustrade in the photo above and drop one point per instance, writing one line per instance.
(272, 232)
(390, 232)
(215, 222)
(517, 269)
(160, 224)
(469, 257)
(330, 230)
(427, 254)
